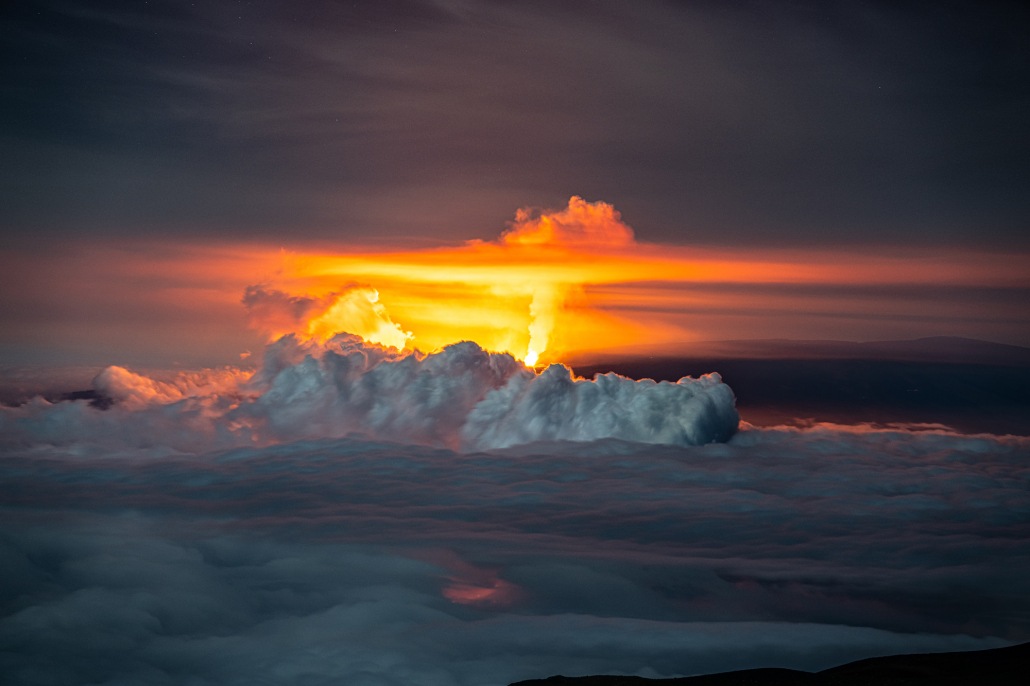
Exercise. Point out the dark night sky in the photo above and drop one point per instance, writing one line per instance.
(757, 123)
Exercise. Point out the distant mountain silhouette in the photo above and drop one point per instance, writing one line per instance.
(997, 667)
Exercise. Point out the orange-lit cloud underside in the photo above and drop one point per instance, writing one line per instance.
(572, 281)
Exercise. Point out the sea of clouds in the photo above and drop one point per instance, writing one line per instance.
(351, 515)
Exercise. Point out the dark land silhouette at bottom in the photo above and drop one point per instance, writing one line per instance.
(996, 667)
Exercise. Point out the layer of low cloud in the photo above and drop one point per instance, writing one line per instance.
(358, 562)
(356, 514)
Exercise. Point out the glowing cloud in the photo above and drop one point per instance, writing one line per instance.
(572, 280)
(507, 295)
(355, 310)
(553, 286)
(582, 224)
(136, 391)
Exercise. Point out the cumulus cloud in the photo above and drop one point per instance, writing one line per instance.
(582, 223)
(554, 406)
(355, 309)
(137, 391)
(461, 397)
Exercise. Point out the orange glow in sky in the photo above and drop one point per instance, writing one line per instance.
(571, 284)
(553, 284)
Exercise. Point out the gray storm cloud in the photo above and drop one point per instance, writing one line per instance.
(461, 397)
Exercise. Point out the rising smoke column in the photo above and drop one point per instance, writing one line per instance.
(580, 226)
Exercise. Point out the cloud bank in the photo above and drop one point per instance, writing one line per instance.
(461, 397)
(361, 562)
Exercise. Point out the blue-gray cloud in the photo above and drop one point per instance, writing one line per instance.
(462, 397)
(378, 563)
(220, 528)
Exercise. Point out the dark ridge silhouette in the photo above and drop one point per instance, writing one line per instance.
(996, 667)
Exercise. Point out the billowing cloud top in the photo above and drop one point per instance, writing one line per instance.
(594, 224)
(461, 397)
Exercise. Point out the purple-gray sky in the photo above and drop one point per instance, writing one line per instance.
(704, 122)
